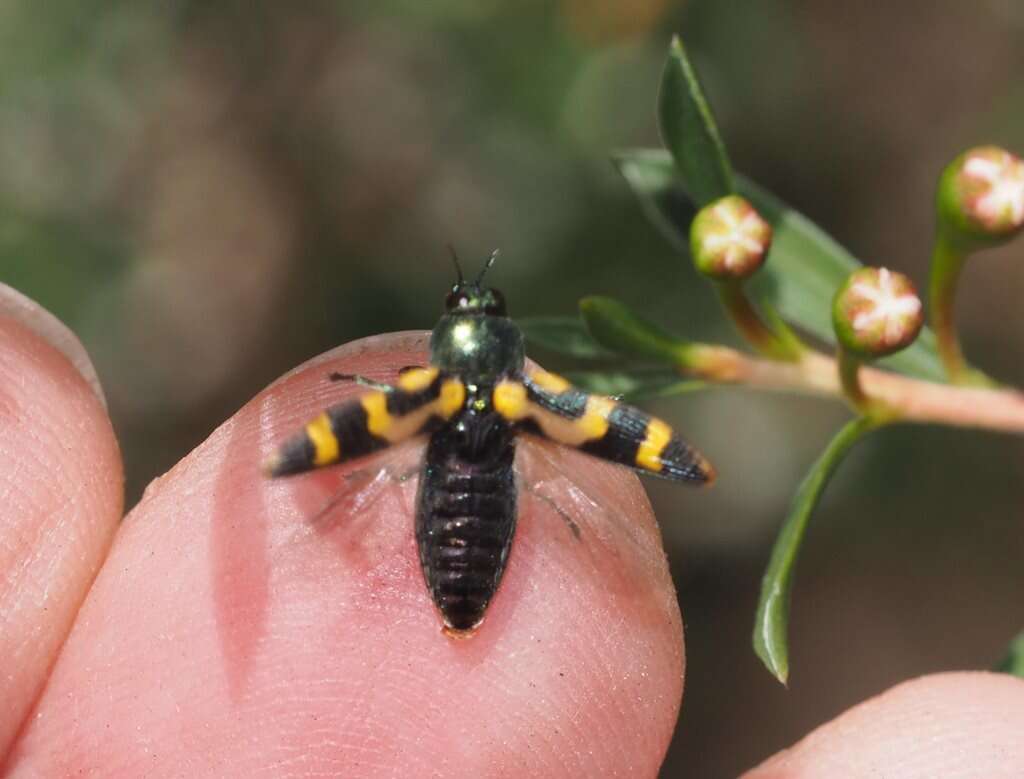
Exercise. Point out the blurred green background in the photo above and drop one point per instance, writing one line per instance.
(212, 192)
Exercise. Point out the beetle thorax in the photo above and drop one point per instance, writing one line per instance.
(477, 345)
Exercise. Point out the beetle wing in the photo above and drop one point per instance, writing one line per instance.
(549, 406)
(421, 399)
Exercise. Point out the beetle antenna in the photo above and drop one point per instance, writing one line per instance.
(488, 264)
(455, 259)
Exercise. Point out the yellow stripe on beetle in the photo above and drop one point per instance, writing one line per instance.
(417, 379)
(326, 449)
(648, 454)
(549, 381)
(510, 400)
(394, 428)
(591, 426)
(594, 422)
(378, 420)
(453, 395)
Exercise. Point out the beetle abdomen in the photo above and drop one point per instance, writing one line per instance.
(466, 516)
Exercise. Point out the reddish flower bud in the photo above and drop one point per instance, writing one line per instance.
(729, 239)
(876, 312)
(980, 198)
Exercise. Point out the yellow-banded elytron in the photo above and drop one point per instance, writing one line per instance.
(471, 401)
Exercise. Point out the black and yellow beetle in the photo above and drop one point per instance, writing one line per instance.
(472, 400)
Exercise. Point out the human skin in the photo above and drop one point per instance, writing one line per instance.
(229, 626)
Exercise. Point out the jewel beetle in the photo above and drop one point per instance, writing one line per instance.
(471, 401)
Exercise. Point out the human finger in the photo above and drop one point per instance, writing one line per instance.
(946, 725)
(232, 631)
(60, 496)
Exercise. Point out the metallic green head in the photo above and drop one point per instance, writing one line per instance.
(475, 338)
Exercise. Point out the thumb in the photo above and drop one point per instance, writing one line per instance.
(60, 496)
(234, 630)
(949, 725)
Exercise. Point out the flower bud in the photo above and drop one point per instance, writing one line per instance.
(876, 312)
(980, 198)
(729, 239)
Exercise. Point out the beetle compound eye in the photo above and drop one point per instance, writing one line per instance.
(455, 300)
(495, 304)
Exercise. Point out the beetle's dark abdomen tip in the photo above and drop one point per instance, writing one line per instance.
(462, 630)
(708, 475)
(294, 456)
(681, 462)
(704, 472)
(462, 588)
(464, 612)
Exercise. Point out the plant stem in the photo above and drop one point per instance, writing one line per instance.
(947, 263)
(849, 378)
(850, 366)
(750, 324)
(909, 400)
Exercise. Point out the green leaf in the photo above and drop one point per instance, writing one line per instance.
(634, 384)
(565, 335)
(616, 327)
(59, 261)
(688, 129)
(771, 625)
(805, 266)
(652, 176)
(1013, 663)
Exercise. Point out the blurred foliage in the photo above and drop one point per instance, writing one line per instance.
(1013, 663)
(210, 193)
(807, 265)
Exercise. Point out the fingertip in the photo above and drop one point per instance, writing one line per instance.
(594, 581)
(32, 316)
(60, 500)
(950, 724)
(576, 670)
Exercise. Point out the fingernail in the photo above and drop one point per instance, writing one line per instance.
(27, 312)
